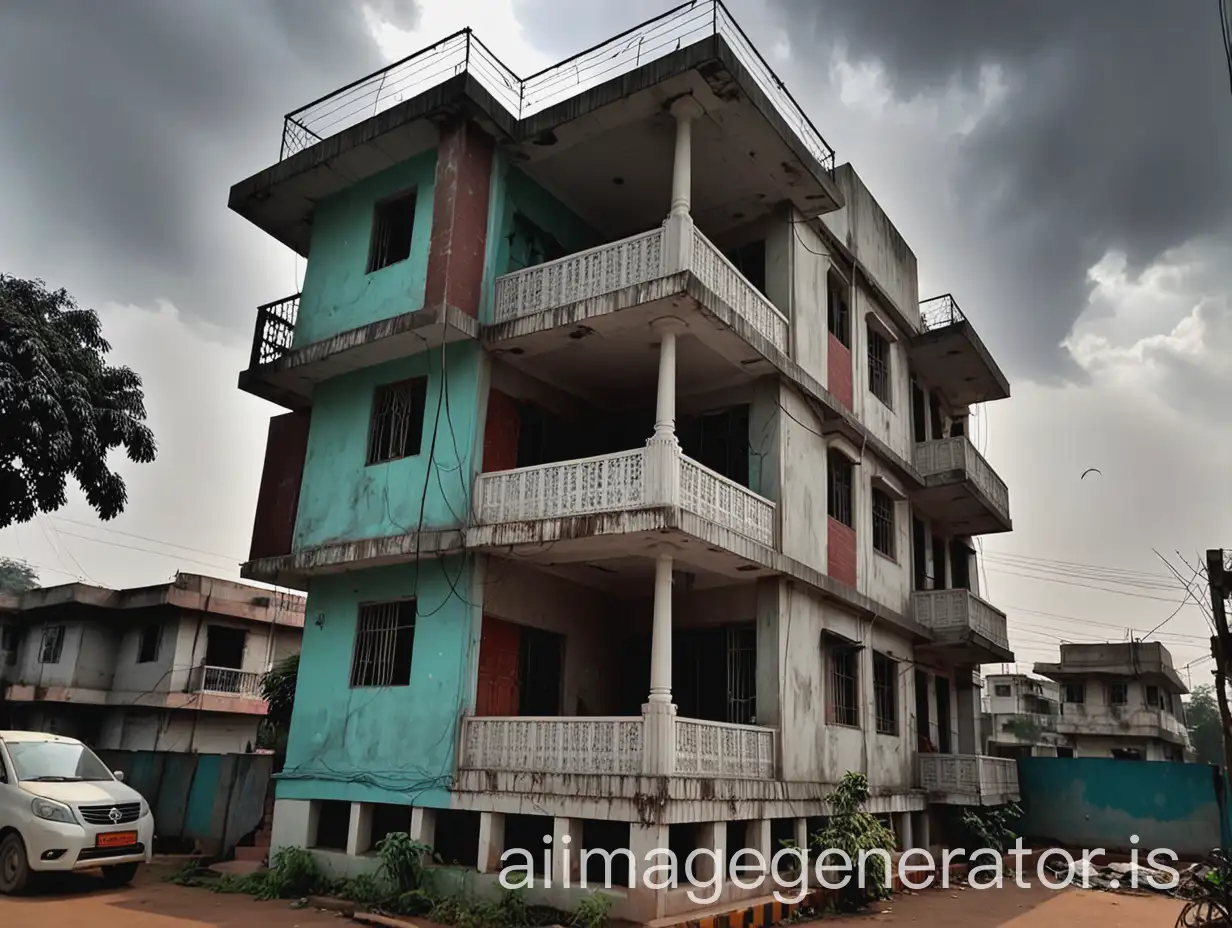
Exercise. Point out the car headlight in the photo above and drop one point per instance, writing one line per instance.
(145, 809)
(52, 811)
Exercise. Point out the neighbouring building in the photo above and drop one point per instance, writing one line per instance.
(628, 478)
(1021, 715)
(173, 667)
(1120, 700)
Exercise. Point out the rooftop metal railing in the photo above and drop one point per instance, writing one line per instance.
(463, 52)
(940, 311)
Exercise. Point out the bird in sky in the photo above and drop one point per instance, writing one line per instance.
(1091, 470)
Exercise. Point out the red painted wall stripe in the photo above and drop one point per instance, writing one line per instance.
(838, 372)
(273, 529)
(500, 433)
(841, 552)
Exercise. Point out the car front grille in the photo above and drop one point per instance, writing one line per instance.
(103, 815)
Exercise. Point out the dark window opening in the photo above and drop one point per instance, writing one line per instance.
(1002, 690)
(603, 835)
(883, 523)
(960, 565)
(844, 685)
(530, 245)
(389, 819)
(541, 668)
(919, 412)
(879, 366)
(529, 832)
(719, 441)
(750, 260)
(885, 694)
(224, 647)
(393, 224)
(923, 733)
(1074, 693)
(147, 646)
(396, 428)
(1118, 694)
(333, 824)
(521, 670)
(52, 645)
(1127, 754)
(919, 554)
(456, 837)
(1065, 752)
(934, 415)
(714, 673)
(943, 715)
(1153, 697)
(958, 426)
(384, 644)
(839, 487)
(938, 562)
(838, 312)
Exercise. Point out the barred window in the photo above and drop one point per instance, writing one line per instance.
(885, 694)
(384, 642)
(879, 366)
(838, 488)
(839, 321)
(147, 646)
(393, 225)
(1075, 693)
(1118, 694)
(52, 645)
(396, 429)
(883, 523)
(844, 685)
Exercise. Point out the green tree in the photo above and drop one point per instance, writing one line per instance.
(1205, 730)
(62, 407)
(17, 576)
(278, 690)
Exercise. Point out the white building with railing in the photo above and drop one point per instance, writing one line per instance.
(628, 477)
(174, 667)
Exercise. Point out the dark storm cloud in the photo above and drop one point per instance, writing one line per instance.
(124, 123)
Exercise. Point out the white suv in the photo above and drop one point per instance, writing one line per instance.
(62, 809)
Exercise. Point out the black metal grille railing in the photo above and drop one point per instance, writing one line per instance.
(939, 312)
(274, 331)
(463, 52)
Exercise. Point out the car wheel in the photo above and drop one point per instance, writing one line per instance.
(119, 874)
(14, 868)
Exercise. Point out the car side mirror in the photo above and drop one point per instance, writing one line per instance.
(118, 774)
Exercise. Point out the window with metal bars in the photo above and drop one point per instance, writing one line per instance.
(384, 642)
(839, 487)
(883, 523)
(393, 224)
(839, 320)
(844, 685)
(396, 429)
(885, 694)
(1074, 693)
(1118, 694)
(52, 645)
(879, 366)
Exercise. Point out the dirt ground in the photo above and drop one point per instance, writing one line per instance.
(82, 900)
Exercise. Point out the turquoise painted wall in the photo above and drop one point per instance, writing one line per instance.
(338, 295)
(343, 499)
(512, 192)
(392, 744)
(1091, 802)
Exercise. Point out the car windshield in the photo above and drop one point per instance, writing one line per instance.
(56, 761)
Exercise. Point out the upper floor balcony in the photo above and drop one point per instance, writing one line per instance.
(1121, 721)
(969, 779)
(961, 489)
(967, 629)
(950, 356)
(225, 681)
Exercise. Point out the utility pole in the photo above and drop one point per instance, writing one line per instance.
(1221, 645)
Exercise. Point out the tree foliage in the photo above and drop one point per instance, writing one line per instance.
(278, 689)
(1205, 730)
(62, 408)
(17, 576)
(853, 831)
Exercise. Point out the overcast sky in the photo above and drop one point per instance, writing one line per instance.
(1061, 167)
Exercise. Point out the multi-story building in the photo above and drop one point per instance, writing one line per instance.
(173, 667)
(1021, 715)
(1120, 700)
(626, 474)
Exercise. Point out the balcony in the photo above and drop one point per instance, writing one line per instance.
(961, 490)
(225, 681)
(655, 476)
(1121, 721)
(949, 356)
(969, 779)
(614, 746)
(967, 629)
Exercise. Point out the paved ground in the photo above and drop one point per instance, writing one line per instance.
(83, 901)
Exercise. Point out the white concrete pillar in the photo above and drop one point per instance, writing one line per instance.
(359, 829)
(756, 838)
(491, 841)
(423, 826)
(921, 829)
(566, 851)
(648, 904)
(685, 109)
(659, 712)
(712, 836)
(295, 824)
(903, 830)
(801, 834)
(667, 328)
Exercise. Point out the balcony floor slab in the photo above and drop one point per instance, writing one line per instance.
(205, 702)
(954, 500)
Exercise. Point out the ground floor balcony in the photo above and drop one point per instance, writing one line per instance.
(969, 779)
(283, 370)
(950, 356)
(961, 490)
(966, 629)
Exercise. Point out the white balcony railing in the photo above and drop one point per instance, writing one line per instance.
(637, 260)
(628, 480)
(225, 681)
(719, 749)
(969, 774)
(951, 613)
(553, 745)
(958, 454)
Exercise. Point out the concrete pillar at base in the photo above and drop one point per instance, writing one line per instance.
(757, 838)
(423, 826)
(903, 830)
(921, 829)
(491, 841)
(801, 834)
(712, 836)
(359, 831)
(566, 851)
(295, 824)
(647, 904)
